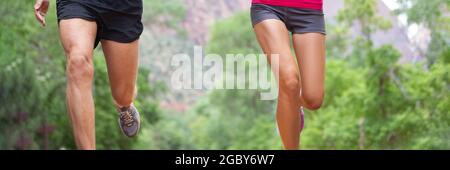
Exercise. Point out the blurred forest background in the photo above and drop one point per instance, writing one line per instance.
(387, 82)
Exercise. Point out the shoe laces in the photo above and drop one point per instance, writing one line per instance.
(126, 117)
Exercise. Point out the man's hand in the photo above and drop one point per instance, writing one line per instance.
(40, 9)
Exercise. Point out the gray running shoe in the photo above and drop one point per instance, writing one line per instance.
(129, 121)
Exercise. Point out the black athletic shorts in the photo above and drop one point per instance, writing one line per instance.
(297, 20)
(117, 20)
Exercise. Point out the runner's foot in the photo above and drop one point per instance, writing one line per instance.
(129, 121)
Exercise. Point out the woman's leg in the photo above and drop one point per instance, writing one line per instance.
(273, 37)
(310, 52)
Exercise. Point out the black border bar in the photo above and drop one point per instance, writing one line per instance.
(226, 158)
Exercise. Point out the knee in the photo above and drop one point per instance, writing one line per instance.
(290, 85)
(80, 67)
(123, 100)
(124, 96)
(313, 100)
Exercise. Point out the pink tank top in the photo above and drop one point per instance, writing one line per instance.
(309, 4)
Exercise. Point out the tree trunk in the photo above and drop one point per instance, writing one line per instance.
(362, 135)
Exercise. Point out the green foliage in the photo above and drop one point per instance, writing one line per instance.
(30, 78)
(364, 13)
(337, 40)
(219, 120)
(233, 36)
(382, 107)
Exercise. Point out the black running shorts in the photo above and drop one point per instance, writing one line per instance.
(297, 20)
(117, 20)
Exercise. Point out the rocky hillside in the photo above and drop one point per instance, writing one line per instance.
(202, 13)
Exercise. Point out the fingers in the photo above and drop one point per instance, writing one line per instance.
(39, 12)
(37, 5)
(40, 17)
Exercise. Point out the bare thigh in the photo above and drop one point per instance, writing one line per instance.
(122, 63)
(77, 37)
(310, 52)
(273, 38)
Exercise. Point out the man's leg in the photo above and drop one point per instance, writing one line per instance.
(77, 37)
(122, 63)
(273, 37)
